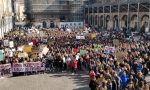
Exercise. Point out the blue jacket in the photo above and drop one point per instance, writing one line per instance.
(139, 67)
(124, 80)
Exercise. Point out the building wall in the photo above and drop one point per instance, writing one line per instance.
(19, 10)
(55, 10)
(6, 23)
(116, 14)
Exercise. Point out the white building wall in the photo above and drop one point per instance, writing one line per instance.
(6, 16)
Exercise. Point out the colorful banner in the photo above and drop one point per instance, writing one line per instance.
(28, 67)
(5, 70)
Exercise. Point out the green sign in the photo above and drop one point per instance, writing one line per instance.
(82, 52)
(1, 56)
(97, 46)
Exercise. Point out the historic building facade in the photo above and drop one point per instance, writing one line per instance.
(55, 11)
(6, 16)
(118, 14)
(19, 7)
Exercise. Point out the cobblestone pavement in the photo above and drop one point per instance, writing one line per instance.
(46, 82)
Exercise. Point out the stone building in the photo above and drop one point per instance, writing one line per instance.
(54, 11)
(118, 14)
(6, 16)
(19, 6)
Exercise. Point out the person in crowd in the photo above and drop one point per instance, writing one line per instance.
(124, 68)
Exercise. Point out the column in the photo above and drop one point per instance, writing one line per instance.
(111, 19)
(103, 17)
(138, 21)
(118, 15)
(88, 14)
(92, 16)
(128, 13)
(149, 18)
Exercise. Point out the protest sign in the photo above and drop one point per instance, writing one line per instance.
(10, 53)
(27, 49)
(80, 37)
(5, 70)
(6, 43)
(11, 44)
(18, 67)
(82, 52)
(27, 67)
(93, 35)
(32, 66)
(45, 50)
(97, 46)
(1, 56)
(20, 48)
(22, 55)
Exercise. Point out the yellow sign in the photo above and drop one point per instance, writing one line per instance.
(21, 55)
(93, 35)
(27, 49)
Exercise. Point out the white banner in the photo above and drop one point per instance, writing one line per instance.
(71, 25)
(80, 37)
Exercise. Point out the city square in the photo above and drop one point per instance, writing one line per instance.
(75, 45)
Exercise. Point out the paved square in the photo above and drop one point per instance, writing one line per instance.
(45, 82)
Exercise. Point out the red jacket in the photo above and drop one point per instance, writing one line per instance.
(75, 64)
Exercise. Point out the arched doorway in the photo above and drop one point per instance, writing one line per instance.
(91, 19)
(144, 23)
(96, 20)
(52, 24)
(133, 23)
(124, 21)
(44, 24)
(101, 21)
(115, 22)
(108, 22)
(86, 19)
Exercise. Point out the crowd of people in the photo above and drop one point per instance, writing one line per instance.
(123, 68)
